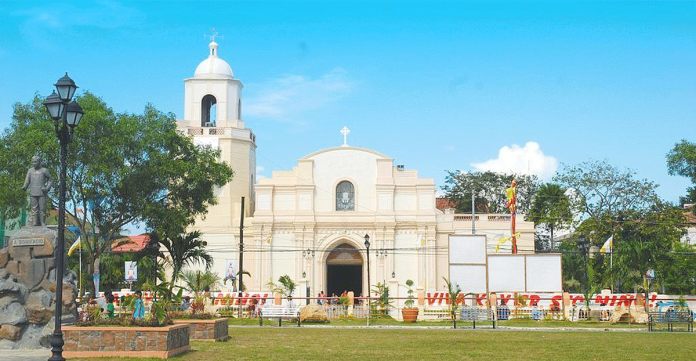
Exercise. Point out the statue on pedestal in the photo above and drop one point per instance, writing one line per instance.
(39, 182)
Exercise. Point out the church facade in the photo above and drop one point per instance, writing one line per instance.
(312, 222)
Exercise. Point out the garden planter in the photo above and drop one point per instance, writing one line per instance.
(206, 330)
(409, 314)
(110, 341)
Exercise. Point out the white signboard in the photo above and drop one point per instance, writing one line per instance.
(506, 273)
(544, 273)
(467, 249)
(470, 278)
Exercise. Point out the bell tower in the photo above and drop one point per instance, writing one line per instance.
(213, 117)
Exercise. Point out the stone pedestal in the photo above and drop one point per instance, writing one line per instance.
(28, 288)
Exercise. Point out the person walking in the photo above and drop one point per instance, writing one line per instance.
(139, 311)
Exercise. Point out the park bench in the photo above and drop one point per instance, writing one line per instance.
(670, 318)
(473, 314)
(279, 313)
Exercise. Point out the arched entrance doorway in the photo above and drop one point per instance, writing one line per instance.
(344, 270)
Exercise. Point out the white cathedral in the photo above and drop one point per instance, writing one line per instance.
(310, 222)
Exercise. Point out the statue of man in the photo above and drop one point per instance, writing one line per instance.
(39, 182)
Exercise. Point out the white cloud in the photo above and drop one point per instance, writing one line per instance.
(521, 160)
(292, 94)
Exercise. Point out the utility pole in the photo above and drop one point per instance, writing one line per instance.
(241, 258)
(473, 213)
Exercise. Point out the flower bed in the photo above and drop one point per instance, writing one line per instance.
(109, 341)
(206, 330)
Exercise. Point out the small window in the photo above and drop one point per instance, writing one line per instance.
(345, 196)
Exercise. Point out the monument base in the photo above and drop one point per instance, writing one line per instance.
(28, 289)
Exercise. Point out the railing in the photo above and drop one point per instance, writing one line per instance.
(234, 132)
(499, 218)
(460, 218)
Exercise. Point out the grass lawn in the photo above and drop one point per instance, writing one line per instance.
(293, 343)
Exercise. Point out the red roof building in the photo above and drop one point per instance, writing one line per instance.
(135, 244)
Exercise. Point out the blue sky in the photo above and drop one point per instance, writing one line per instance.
(435, 85)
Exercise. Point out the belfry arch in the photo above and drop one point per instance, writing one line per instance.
(344, 270)
(208, 111)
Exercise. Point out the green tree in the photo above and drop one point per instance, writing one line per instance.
(649, 240)
(200, 281)
(600, 189)
(489, 190)
(184, 250)
(287, 285)
(550, 208)
(681, 160)
(122, 168)
(573, 267)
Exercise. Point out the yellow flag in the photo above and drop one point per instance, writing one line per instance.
(608, 245)
(77, 244)
(510, 193)
(505, 239)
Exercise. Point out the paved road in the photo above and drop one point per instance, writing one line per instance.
(25, 355)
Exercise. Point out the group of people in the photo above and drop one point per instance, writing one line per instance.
(323, 299)
(106, 304)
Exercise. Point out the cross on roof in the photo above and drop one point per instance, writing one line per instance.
(215, 35)
(345, 132)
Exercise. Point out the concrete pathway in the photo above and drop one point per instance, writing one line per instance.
(25, 355)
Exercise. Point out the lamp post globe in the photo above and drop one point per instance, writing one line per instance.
(54, 105)
(74, 114)
(66, 87)
(66, 116)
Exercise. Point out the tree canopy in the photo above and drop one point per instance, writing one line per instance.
(681, 160)
(122, 168)
(551, 209)
(489, 190)
(601, 189)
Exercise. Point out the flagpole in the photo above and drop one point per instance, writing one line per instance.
(80, 290)
(611, 262)
(514, 212)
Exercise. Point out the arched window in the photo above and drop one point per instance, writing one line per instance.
(239, 109)
(208, 111)
(345, 196)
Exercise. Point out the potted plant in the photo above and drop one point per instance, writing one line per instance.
(288, 286)
(409, 313)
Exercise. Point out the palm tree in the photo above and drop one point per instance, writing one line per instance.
(550, 207)
(200, 281)
(185, 250)
(288, 285)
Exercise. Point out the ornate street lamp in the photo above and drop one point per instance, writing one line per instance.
(66, 116)
(367, 247)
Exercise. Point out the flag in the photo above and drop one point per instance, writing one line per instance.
(608, 245)
(505, 239)
(77, 244)
(511, 194)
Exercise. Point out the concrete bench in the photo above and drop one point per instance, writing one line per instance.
(279, 313)
(670, 318)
